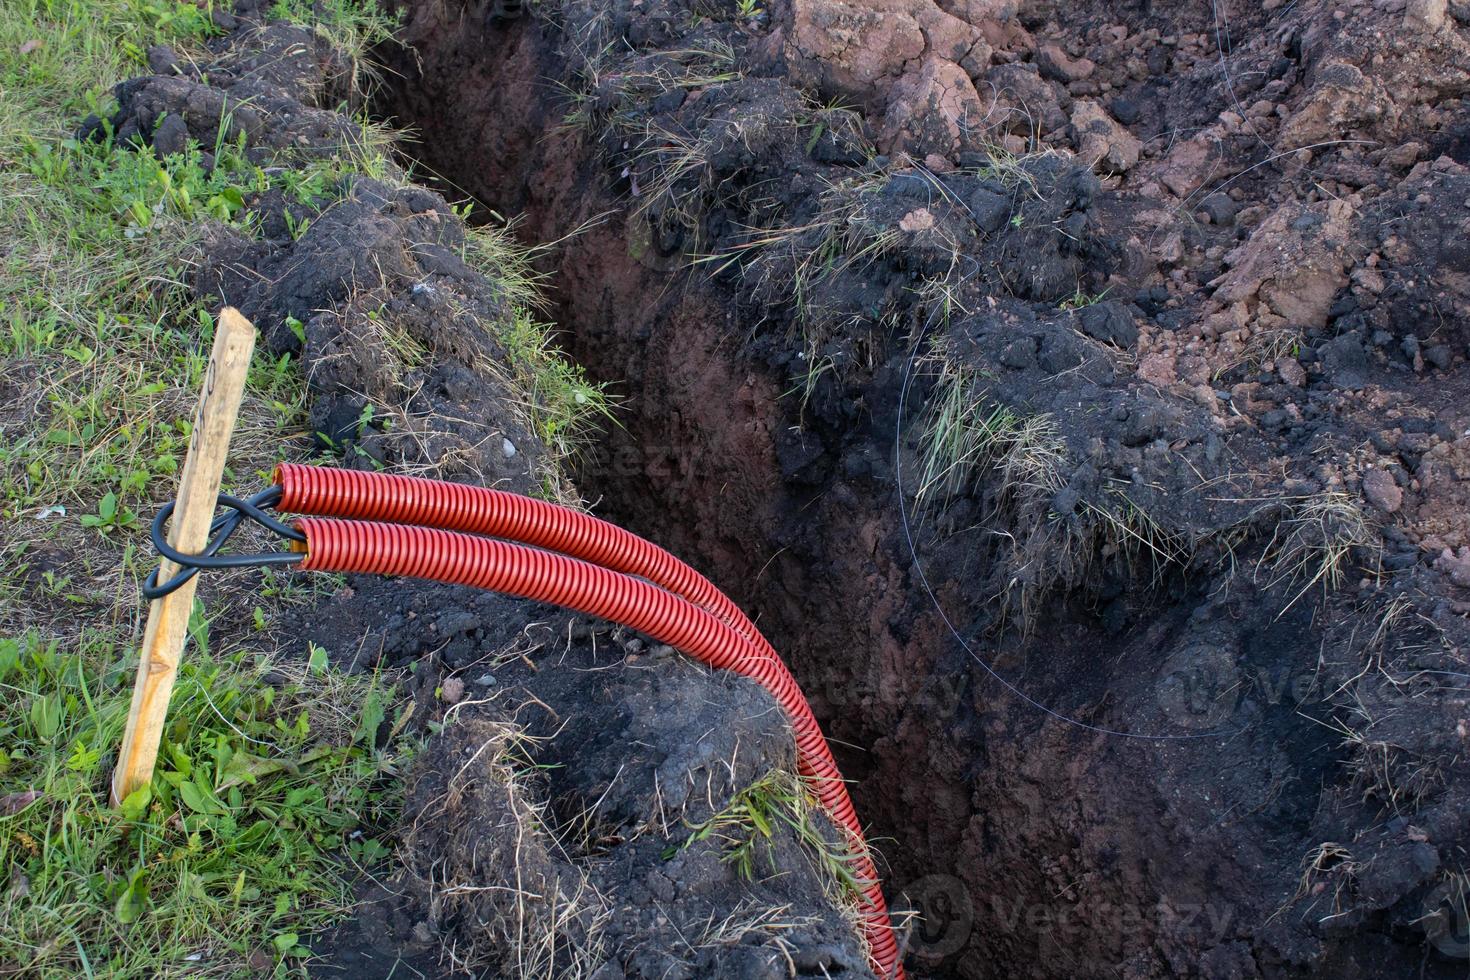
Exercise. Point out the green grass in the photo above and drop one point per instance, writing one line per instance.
(747, 825)
(267, 794)
(1080, 300)
(238, 850)
(563, 407)
(232, 855)
(566, 409)
(91, 304)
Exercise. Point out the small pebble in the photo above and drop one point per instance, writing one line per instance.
(1382, 492)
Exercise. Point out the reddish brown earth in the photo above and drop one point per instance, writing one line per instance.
(1254, 775)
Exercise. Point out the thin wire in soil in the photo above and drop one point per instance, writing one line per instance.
(918, 565)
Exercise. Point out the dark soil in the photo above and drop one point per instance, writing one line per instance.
(1185, 697)
(1246, 770)
(574, 762)
(551, 818)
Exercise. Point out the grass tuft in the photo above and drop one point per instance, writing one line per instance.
(351, 29)
(1312, 547)
(748, 823)
(232, 855)
(966, 434)
(1015, 464)
(564, 408)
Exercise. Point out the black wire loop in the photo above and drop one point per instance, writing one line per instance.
(220, 530)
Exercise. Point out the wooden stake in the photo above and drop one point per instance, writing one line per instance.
(168, 617)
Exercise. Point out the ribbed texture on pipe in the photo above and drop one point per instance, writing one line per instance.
(329, 492)
(526, 572)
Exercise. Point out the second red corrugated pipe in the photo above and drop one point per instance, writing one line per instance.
(587, 564)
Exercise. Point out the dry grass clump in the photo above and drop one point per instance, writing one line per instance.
(1312, 546)
(761, 925)
(967, 434)
(1329, 877)
(746, 828)
(479, 849)
(1015, 465)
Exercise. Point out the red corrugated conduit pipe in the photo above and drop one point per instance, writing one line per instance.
(580, 562)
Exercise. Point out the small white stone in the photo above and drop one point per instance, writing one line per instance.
(508, 448)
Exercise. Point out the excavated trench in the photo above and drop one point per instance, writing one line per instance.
(708, 458)
(1032, 846)
(708, 461)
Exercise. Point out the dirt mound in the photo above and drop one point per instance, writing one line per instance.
(583, 810)
(1179, 404)
(584, 803)
(393, 337)
(362, 280)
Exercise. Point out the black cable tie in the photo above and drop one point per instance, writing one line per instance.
(220, 530)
